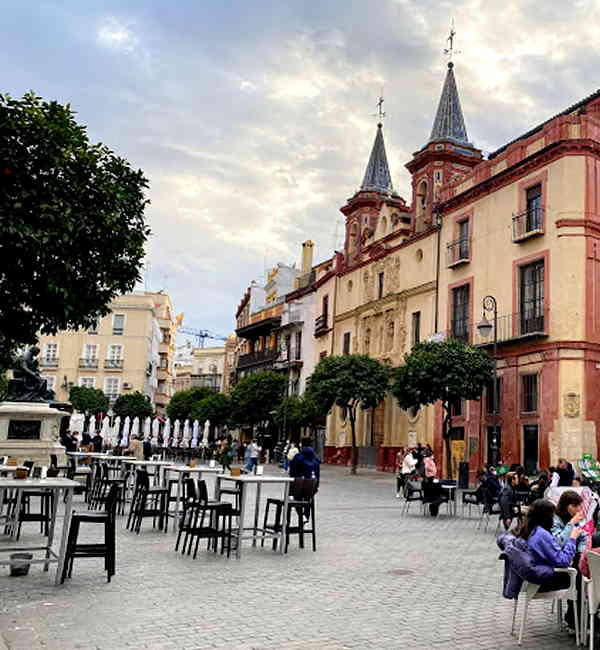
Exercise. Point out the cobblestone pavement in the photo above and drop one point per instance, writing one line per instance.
(377, 580)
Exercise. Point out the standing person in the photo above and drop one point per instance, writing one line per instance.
(226, 456)
(242, 452)
(97, 442)
(147, 449)
(253, 454)
(418, 454)
(566, 473)
(430, 466)
(508, 500)
(399, 460)
(136, 448)
(289, 457)
(409, 465)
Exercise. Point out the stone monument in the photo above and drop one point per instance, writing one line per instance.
(29, 423)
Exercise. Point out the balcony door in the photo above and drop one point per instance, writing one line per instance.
(531, 297)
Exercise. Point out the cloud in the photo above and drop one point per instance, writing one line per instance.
(114, 34)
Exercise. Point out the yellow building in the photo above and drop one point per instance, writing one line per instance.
(199, 367)
(130, 349)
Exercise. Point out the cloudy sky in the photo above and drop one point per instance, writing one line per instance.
(253, 119)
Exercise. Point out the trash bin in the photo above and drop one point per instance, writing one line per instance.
(463, 475)
(20, 564)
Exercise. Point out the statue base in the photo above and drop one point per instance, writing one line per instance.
(30, 431)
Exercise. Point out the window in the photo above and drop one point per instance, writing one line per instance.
(346, 345)
(51, 351)
(90, 351)
(115, 352)
(50, 381)
(494, 445)
(438, 177)
(94, 328)
(460, 312)
(118, 324)
(530, 393)
(416, 327)
(380, 285)
(111, 388)
(322, 355)
(531, 297)
(530, 448)
(212, 369)
(87, 382)
(298, 350)
(463, 239)
(490, 397)
(325, 310)
(457, 408)
(533, 198)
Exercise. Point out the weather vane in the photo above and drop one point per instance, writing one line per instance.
(380, 112)
(450, 51)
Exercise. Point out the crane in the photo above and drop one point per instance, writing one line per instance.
(200, 335)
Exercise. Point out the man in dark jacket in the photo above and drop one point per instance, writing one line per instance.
(97, 442)
(508, 500)
(566, 473)
(306, 463)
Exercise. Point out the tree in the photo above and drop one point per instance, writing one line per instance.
(72, 223)
(135, 405)
(297, 412)
(350, 382)
(254, 399)
(182, 402)
(216, 409)
(446, 371)
(90, 401)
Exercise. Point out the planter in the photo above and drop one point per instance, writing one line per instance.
(20, 564)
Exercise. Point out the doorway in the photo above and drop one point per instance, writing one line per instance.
(530, 448)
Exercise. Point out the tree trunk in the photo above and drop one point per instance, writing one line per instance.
(446, 437)
(354, 459)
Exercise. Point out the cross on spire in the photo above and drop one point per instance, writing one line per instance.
(450, 51)
(380, 112)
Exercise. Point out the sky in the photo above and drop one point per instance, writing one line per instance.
(253, 120)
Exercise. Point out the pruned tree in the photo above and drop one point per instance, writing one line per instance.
(216, 409)
(445, 371)
(133, 405)
(349, 381)
(90, 401)
(183, 401)
(255, 398)
(72, 223)
(297, 412)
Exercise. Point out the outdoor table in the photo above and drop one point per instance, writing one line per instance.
(55, 485)
(451, 496)
(182, 470)
(243, 482)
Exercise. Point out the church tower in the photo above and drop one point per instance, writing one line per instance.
(376, 211)
(447, 156)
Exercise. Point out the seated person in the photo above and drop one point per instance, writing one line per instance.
(492, 484)
(508, 500)
(577, 482)
(538, 487)
(433, 495)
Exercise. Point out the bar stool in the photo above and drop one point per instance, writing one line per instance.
(147, 502)
(106, 549)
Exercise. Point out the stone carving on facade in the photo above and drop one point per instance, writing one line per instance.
(571, 405)
(367, 340)
(393, 273)
(368, 286)
(390, 335)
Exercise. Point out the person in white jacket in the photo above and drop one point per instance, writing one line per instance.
(409, 465)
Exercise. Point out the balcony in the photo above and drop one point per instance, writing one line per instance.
(88, 364)
(321, 325)
(113, 364)
(162, 399)
(49, 362)
(164, 348)
(162, 374)
(211, 381)
(512, 328)
(458, 252)
(529, 223)
(265, 358)
(288, 357)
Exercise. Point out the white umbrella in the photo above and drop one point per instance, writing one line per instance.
(186, 433)
(176, 433)
(147, 428)
(125, 436)
(155, 431)
(166, 433)
(206, 430)
(91, 427)
(195, 431)
(76, 422)
(115, 431)
(135, 428)
(105, 431)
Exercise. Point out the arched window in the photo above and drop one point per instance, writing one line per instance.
(421, 206)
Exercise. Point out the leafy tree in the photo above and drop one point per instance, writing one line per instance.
(297, 412)
(216, 408)
(445, 371)
(72, 223)
(134, 405)
(3, 384)
(350, 382)
(254, 398)
(181, 403)
(90, 401)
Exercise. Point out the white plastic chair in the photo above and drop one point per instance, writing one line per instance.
(530, 592)
(590, 598)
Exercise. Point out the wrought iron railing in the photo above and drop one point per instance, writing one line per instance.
(88, 363)
(527, 223)
(527, 323)
(458, 251)
(266, 357)
(113, 364)
(49, 362)
(321, 324)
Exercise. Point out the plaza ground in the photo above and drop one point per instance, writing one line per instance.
(377, 580)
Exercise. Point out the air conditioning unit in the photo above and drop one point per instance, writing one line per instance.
(126, 386)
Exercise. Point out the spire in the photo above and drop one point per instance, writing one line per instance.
(377, 176)
(449, 122)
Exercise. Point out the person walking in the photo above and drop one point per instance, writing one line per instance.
(253, 453)
(292, 451)
(399, 482)
(226, 456)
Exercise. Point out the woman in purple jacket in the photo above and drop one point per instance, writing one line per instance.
(544, 548)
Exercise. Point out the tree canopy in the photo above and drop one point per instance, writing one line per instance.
(254, 398)
(446, 371)
(349, 381)
(72, 223)
(297, 412)
(216, 409)
(133, 405)
(88, 400)
(183, 401)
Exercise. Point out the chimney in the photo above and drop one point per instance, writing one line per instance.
(307, 256)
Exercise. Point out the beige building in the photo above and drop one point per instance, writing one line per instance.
(199, 367)
(130, 349)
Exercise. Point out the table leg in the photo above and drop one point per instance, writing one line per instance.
(256, 513)
(62, 551)
(15, 522)
(284, 517)
(55, 498)
(238, 551)
(178, 500)
(217, 488)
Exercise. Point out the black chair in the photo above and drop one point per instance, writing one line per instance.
(101, 487)
(471, 498)
(302, 502)
(147, 502)
(60, 468)
(27, 514)
(491, 507)
(413, 491)
(204, 520)
(73, 472)
(105, 549)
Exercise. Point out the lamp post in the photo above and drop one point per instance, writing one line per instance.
(485, 328)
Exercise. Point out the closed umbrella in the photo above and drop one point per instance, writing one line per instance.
(105, 431)
(166, 433)
(206, 430)
(155, 431)
(195, 432)
(135, 428)
(91, 426)
(115, 431)
(176, 433)
(125, 436)
(147, 428)
(76, 422)
(186, 433)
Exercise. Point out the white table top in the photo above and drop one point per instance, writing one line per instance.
(38, 483)
(197, 469)
(256, 479)
(11, 468)
(135, 461)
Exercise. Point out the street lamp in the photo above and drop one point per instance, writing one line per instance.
(485, 328)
